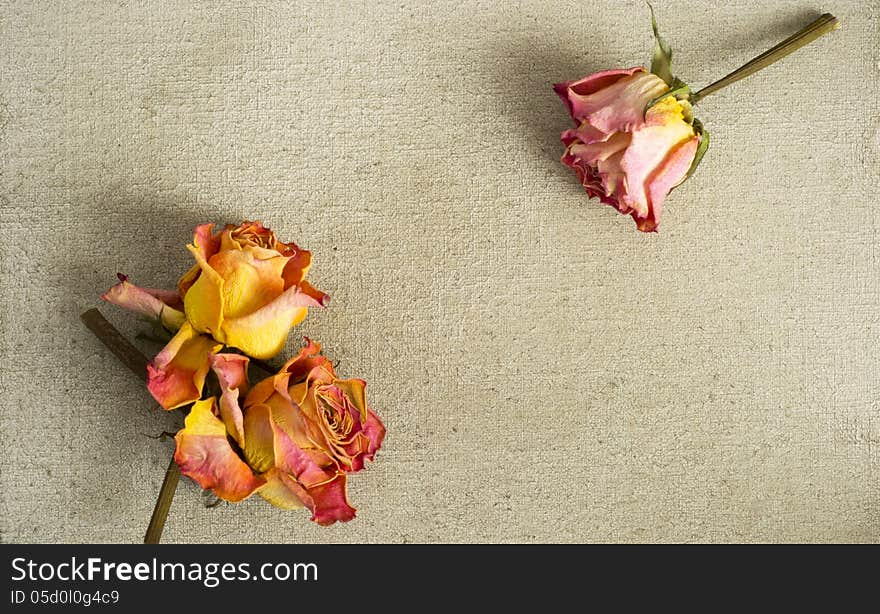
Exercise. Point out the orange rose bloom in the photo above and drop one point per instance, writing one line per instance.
(297, 435)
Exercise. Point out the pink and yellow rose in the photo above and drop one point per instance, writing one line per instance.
(292, 438)
(624, 153)
(246, 290)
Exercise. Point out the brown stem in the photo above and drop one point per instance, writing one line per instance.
(107, 334)
(823, 25)
(163, 504)
(132, 358)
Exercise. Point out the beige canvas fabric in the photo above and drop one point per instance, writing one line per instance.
(546, 373)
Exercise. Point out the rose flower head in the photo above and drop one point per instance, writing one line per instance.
(246, 290)
(292, 438)
(635, 137)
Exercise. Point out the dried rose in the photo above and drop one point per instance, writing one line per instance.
(246, 290)
(622, 155)
(296, 435)
(635, 137)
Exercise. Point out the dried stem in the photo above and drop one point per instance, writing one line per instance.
(132, 358)
(163, 503)
(821, 26)
(107, 334)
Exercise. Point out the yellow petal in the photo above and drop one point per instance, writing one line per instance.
(207, 245)
(663, 132)
(355, 391)
(177, 374)
(252, 278)
(203, 301)
(204, 454)
(277, 492)
(259, 438)
(202, 421)
(263, 333)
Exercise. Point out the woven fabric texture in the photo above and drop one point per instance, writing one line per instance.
(546, 373)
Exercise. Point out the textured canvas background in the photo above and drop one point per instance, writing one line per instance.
(546, 373)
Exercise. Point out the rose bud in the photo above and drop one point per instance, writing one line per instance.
(623, 155)
(635, 136)
(296, 434)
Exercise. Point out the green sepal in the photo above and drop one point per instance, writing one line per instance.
(661, 61)
(701, 148)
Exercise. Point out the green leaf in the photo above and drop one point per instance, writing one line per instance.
(661, 62)
(701, 148)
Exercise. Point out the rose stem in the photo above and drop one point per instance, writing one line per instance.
(132, 358)
(163, 503)
(823, 25)
(129, 355)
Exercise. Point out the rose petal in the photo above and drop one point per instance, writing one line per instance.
(308, 466)
(300, 366)
(585, 133)
(251, 276)
(293, 476)
(597, 151)
(264, 423)
(170, 297)
(260, 391)
(263, 333)
(591, 180)
(205, 455)
(668, 175)
(321, 298)
(590, 84)
(177, 374)
(259, 438)
(297, 266)
(620, 106)
(206, 241)
(328, 501)
(231, 370)
(203, 302)
(268, 443)
(665, 131)
(207, 244)
(374, 430)
(355, 390)
(277, 492)
(293, 421)
(149, 302)
(365, 444)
